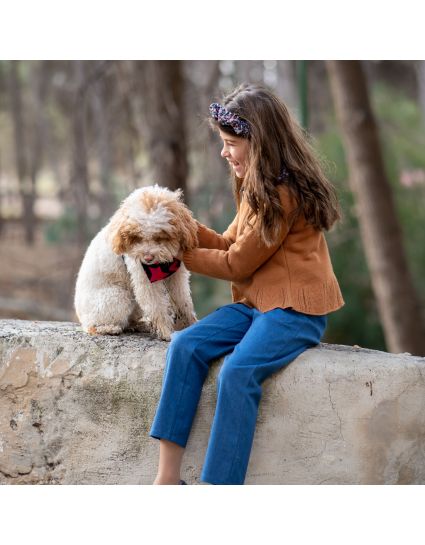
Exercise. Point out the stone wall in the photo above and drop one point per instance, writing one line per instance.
(76, 409)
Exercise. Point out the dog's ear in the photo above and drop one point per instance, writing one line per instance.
(179, 194)
(122, 233)
(123, 239)
(185, 226)
(190, 234)
(188, 230)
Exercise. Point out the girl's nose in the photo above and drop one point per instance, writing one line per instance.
(225, 152)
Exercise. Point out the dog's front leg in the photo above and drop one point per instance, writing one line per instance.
(179, 287)
(154, 301)
(160, 311)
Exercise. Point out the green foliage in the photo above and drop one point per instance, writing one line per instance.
(64, 229)
(403, 137)
(403, 141)
(210, 293)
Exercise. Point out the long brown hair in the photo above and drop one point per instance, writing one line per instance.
(277, 141)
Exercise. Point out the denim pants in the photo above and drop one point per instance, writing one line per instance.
(257, 344)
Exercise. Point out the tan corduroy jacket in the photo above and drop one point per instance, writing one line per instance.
(296, 272)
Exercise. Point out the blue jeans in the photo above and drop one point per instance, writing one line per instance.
(257, 344)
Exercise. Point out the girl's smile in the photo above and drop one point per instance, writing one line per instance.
(235, 151)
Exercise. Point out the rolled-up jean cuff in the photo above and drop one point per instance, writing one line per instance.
(169, 437)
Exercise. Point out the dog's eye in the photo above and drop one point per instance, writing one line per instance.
(161, 239)
(133, 240)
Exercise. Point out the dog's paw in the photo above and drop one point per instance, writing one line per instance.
(141, 326)
(183, 323)
(185, 320)
(104, 330)
(162, 330)
(163, 336)
(192, 319)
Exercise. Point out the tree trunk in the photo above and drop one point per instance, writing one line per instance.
(211, 186)
(79, 174)
(398, 303)
(286, 85)
(165, 130)
(420, 71)
(53, 151)
(1, 194)
(319, 99)
(128, 89)
(2, 93)
(26, 184)
(39, 90)
(249, 72)
(103, 130)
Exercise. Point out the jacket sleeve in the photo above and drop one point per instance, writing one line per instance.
(208, 238)
(242, 258)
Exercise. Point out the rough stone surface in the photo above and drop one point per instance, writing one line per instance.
(76, 409)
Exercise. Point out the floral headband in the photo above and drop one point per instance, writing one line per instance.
(225, 117)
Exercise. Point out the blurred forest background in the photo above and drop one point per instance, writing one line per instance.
(76, 137)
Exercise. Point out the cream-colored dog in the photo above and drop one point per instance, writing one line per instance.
(113, 291)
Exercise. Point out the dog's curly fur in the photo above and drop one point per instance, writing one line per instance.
(113, 294)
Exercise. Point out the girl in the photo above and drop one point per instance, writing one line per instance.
(283, 286)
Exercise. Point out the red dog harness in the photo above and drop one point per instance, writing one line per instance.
(159, 271)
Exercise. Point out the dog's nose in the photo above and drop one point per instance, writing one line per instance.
(148, 257)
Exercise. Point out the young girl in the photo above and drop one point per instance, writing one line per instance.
(283, 285)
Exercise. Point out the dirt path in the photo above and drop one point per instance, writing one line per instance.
(36, 282)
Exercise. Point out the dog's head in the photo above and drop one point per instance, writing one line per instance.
(153, 224)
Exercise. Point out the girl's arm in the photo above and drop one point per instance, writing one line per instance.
(208, 238)
(237, 263)
(241, 259)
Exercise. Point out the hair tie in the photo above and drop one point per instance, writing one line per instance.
(284, 173)
(225, 117)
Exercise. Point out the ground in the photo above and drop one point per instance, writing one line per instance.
(36, 282)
